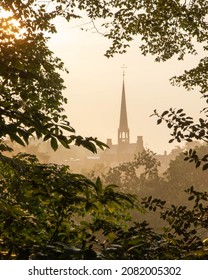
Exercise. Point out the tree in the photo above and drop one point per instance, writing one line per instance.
(56, 214)
(43, 204)
(31, 98)
(46, 208)
(179, 176)
(32, 102)
(139, 176)
(165, 28)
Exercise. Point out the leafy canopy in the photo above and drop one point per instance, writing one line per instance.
(39, 216)
(163, 28)
(43, 205)
(30, 84)
(31, 88)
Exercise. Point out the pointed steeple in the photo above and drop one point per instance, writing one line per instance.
(123, 130)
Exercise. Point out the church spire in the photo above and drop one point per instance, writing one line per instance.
(123, 130)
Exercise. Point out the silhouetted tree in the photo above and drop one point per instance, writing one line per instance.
(138, 176)
(31, 88)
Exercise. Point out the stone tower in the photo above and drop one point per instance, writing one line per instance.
(124, 151)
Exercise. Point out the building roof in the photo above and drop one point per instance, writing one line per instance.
(123, 125)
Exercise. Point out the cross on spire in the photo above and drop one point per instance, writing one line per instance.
(123, 67)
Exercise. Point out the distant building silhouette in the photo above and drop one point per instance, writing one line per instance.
(124, 150)
(79, 158)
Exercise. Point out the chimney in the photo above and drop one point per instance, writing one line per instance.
(140, 145)
(109, 142)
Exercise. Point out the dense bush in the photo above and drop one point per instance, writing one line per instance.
(47, 212)
(45, 204)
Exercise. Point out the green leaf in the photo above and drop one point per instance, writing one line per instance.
(17, 139)
(54, 144)
(64, 142)
(47, 136)
(112, 205)
(98, 186)
(89, 207)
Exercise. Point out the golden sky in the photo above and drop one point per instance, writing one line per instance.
(94, 86)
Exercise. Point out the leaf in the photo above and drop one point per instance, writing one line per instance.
(112, 206)
(179, 111)
(201, 122)
(186, 158)
(164, 113)
(205, 158)
(100, 144)
(87, 144)
(54, 144)
(47, 136)
(159, 121)
(17, 139)
(98, 186)
(198, 163)
(89, 207)
(205, 167)
(169, 125)
(63, 140)
(149, 199)
(111, 236)
(68, 128)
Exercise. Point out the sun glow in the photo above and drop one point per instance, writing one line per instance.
(9, 25)
(5, 14)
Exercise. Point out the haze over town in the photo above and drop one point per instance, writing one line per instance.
(94, 86)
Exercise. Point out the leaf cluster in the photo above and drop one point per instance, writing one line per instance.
(164, 29)
(44, 205)
(183, 126)
(31, 88)
(186, 227)
(135, 175)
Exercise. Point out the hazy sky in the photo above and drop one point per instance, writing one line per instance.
(94, 87)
